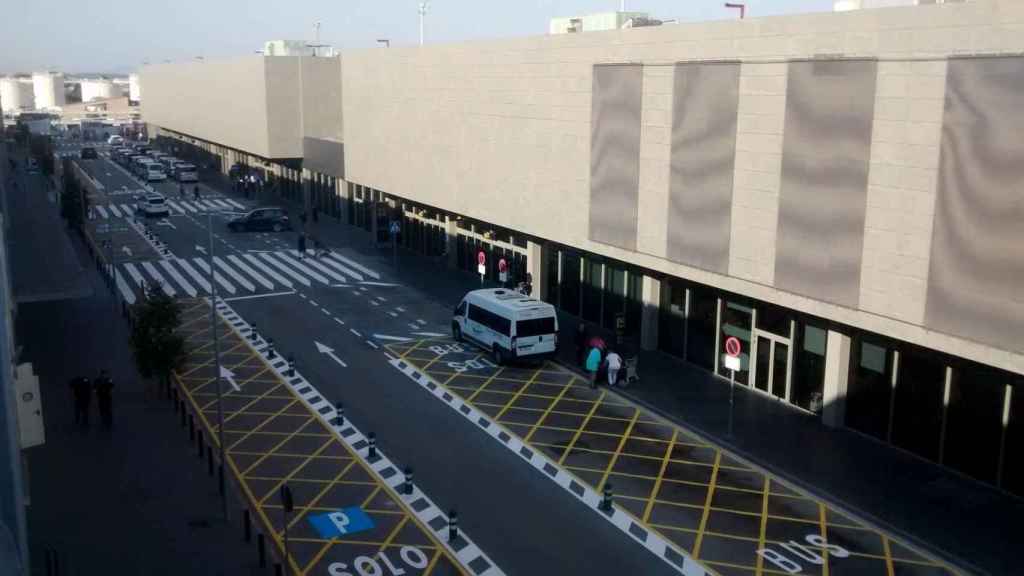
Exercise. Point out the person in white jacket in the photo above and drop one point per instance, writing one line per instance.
(613, 362)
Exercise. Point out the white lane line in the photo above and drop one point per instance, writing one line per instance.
(430, 334)
(102, 211)
(177, 208)
(286, 258)
(421, 321)
(134, 273)
(216, 275)
(357, 266)
(178, 278)
(339, 321)
(273, 262)
(382, 284)
(189, 207)
(234, 274)
(303, 296)
(126, 290)
(235, 204)
(209, 204)
(203, 283)
(265, 295)
(373, 344)
(374, 302)
(155, 274)
(393, 314)
(128, 210)
(395, 338)
(313, 302)
(414, 326)
(343, 269)
(325, 311)
(314, 263)
(382, 299)
(115, 210)
(399, 308)
(223, 204)
(265, 269)
(356, 332)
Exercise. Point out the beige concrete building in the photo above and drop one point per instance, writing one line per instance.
(839, 191)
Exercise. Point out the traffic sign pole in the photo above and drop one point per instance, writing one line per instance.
(733, 348)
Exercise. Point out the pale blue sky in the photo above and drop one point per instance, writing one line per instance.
(117, 35)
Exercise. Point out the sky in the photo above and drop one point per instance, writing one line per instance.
(117, 36)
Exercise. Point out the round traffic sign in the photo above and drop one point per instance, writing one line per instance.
(732, 346)
(502, 265)
(481, 258)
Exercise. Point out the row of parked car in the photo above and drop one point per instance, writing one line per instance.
(152, 165)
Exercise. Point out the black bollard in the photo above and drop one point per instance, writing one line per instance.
(407, 488)
(340, 411)
(372, 450)
(453, 525)
(606, 501)
(254, 335)
(270, 348)
(291, 366)
(278, 569)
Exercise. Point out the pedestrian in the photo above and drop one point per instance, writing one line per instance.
(613, 362)
(104, 399)
(580, 339)
(592, 364)
(195, 192)
(302, 244)
(81, 388)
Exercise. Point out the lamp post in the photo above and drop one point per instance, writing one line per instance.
(741, 7)
(424, 6)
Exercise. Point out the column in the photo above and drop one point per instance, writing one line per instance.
(451, 229)
(837, 373)
(651, 301)
(535, 267)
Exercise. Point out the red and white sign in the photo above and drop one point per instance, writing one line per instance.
(481, 258)
(732, 346)
(502, 265)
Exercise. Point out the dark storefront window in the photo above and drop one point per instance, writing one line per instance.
(917, 402)
(634, 304)
(570, 284)
(809, 367)
(869, 388)
(552, 275)
(700, 339)
(614, 295)
(974, 421)
(736, 319)
(592, 272)
(672, 318)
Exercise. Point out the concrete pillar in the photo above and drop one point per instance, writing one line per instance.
(837, 373)
(452, 241)
(341, 191)
(651, 299)
(535, 267)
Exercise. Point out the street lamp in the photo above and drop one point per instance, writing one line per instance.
(741, 7)
(424, 6)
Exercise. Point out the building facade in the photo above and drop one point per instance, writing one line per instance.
(48, 88)
(838, 191)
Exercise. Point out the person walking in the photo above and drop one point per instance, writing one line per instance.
(104, 399)
(302, 244)
(613, 363)
(591, 366)
(195, 193)
(81, 388)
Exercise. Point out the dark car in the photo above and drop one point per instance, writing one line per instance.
(259, 219)
(88, 153)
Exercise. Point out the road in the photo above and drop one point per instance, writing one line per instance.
(523, 521)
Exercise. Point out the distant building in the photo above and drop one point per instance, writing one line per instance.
(134, 89)
(601, 21)
(49, 90)
(287, 48)
(97, 89)
(847, 5)
(16, 94)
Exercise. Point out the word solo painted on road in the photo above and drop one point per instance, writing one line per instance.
(353, 520)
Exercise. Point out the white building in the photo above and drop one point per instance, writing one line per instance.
(97, 89)
(49, 89)
(287, 48)
(134, 89)
(601, 21)
(16, 94)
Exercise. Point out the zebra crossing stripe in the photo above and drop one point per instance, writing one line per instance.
(235, 204)
(315, 263)
(345, 270)
(128, 210)
(126, 290)
(178, 278)
(223, 204)
(234, 274)
(273, 262)
(155, 274)
(263, 267)
(357, 266)
(238, 262)
(114, 210)
(305, 269)
(134, 273)
(203, 283)
(216, 275)
(189, 207)
(102, 211)
(177, 208)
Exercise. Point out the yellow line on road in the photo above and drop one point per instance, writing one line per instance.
(888, 555)
(579, 430)
(759, 569)
(622, 443)
(549, 409)
(484, 385)
(824, 536)
(513, 399)
(661, 475)
(707, 506)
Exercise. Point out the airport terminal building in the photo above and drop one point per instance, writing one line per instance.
(843, 192)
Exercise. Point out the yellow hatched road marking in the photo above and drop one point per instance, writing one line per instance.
(618, 451)
(661, 475)
(551, 407)
(579, 430)
(888, 555)
(411, 348)
(298, 467)
(707, 506)
(261, 425)
(764, 525)
(320, 494)
(484, 385)
(513, 400)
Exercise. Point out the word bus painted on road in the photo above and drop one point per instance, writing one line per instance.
(411, 557)
(813, 554)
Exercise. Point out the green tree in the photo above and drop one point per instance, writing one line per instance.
(158, 348)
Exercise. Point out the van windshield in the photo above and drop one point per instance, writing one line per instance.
(535, 327)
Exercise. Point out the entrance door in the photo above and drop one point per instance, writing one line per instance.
(770, 372)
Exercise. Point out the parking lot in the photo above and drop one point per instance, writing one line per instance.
(731, 516)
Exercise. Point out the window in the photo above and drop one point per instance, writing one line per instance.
(535, 327)
(614, 295)
(773, 319)
(808, 381)
(592, 288)
(570, 283)
(974, 421)
(491, 320)
(917, 402)
(736, 322)
(700, 342)
(671, 329)
(869, 388)
(460, 310)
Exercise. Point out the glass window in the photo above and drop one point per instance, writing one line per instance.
(700, 339)
(773, 319)
(634, 303)
(869, 388)
(736, 322)
(614, 294)
(672, 318)
(592, 273)
(808, 383)
(535, 327)
(974, 421)
(570, 284)
(552, 275)
(917, 402)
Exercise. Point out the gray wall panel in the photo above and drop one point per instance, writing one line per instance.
(615, 154)
(826, 152)
(704, 109)
(976, 278)
(324, 156)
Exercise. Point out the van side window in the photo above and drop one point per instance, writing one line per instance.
(461, 310)
(491, 320)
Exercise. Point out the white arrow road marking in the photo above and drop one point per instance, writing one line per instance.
(216, 275)
(273, 262)
(230, 377)
(395, 338)
(126, 250)
(264, 268)
(178, 278)
(153, 272)
(329, 352)
(234, 274)
(430, 334)
(195, 275)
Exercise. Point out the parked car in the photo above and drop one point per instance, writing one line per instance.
(271, 218)
(185, 172)
(155, 172)
(153, 204)
(88, 153)
(115, 140)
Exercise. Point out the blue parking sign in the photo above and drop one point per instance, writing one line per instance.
(342, 522)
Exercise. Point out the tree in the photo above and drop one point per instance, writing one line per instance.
(72, 198)
(158, 348)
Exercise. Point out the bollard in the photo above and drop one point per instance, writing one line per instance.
(254, 335)
(291, 366)
(340, 411)
(606, 501)
(247, 523)
(372, 450)
(191, 428)
(453, 525)
(407, 488)
(270, 348)
(261, 549)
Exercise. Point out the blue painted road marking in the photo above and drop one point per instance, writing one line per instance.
(342, 522)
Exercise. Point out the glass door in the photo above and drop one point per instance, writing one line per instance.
(737, 320)
(771, 369)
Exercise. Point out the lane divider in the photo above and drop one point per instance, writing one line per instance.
(417, 504)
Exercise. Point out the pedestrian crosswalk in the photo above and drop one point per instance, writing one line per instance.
(238, 274)
(108, 211)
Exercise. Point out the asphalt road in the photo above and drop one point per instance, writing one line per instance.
(523, 521)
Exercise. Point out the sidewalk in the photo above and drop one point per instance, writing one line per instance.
(135, 500)
(952, 516)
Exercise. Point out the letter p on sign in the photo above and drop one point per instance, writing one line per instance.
(341, 522)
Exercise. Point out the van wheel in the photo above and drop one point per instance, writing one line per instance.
(497, 355)
(456, 332)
